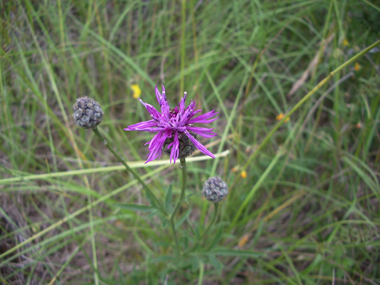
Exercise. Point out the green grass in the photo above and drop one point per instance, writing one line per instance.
(308, 210)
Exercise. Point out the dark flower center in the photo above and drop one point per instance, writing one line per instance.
(186, 147)
(173, 112)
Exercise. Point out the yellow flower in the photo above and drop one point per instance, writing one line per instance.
(346, 43)
(243, 174)
(136, 91)
(357, 66)
(280, 116)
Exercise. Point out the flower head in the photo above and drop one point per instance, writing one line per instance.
(172, 126)
(87, 113)
(215, 189)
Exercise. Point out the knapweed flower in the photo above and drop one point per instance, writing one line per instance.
(173, 127)
(215, 189)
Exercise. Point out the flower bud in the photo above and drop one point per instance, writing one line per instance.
(186, 147)
(87, 113)
(215, 189)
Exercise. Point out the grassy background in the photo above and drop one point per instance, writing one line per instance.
(306, 213)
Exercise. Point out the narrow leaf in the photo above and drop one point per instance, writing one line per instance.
(216, 263)
(136, 207)
(168, 199)
(216, 239)
(236, 253)
(151, 200)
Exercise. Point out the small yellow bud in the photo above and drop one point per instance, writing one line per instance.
(136, 91)
(243, 174)
(346, 43)
(243, 240)
(357, 66)
(280, 116)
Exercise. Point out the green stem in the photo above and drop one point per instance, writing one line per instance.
(212, 221)
(134, 173)
(216, 205)
(183, 51)
(177, 249)
(181, 198)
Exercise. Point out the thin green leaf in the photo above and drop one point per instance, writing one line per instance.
(216, 263)
(168, 199)
(236, 253)
(136, 207)
(216, 238)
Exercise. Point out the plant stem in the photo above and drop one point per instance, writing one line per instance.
(183, 51)
(134, 173)
(216, 205)
(212, 221)
(181, 198)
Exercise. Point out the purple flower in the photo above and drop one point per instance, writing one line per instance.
(172, 123)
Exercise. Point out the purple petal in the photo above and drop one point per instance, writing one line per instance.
(199, 146)
(205, 118)
(155, 145)
(182, 106)
(204, 132)
(150, 123)
(196, 121)
(144, 126)
(193, 114)
(158, 95)
(191, 106)
(163, 92)
(174, 153)
(188, 113)
(155, 139)
(150, 130)
(155, 114)
(164, 104)
(165, 107)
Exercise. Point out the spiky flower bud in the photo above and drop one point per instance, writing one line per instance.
(215, 189)
(87, 113)
(186, 147)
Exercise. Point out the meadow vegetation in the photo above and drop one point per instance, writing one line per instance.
(302, 167)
